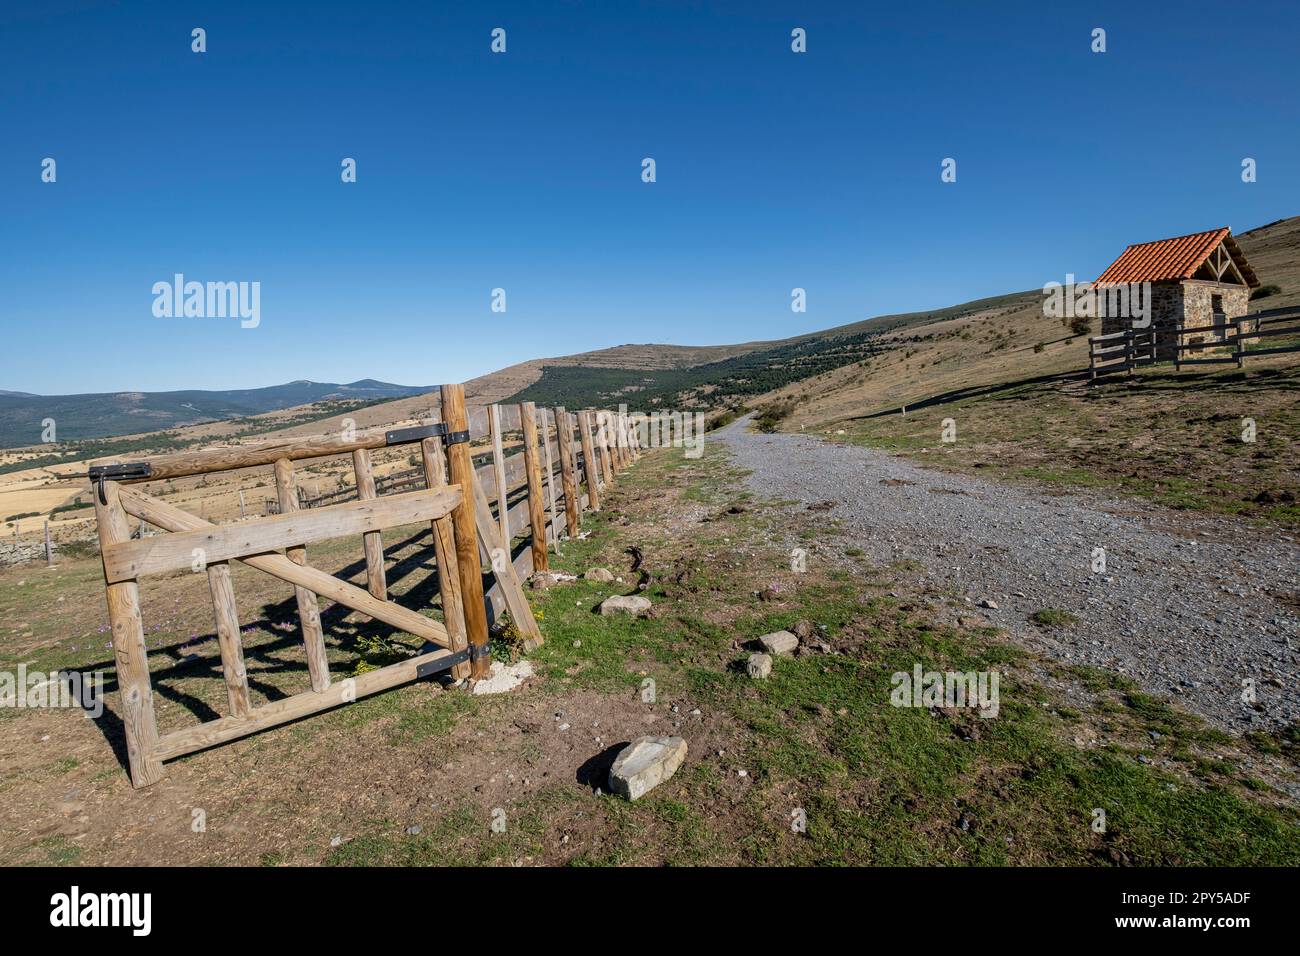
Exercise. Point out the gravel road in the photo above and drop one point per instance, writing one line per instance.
(1187, 605)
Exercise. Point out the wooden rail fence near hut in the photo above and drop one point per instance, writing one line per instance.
(475, 515)
(1120, 352)
(1193, 345)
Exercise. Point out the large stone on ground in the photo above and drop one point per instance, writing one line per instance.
(759, 666)
(644, 764)
(779, 642)
(603, 575)
(632, 604)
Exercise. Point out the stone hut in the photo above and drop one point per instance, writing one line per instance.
(1201, 280)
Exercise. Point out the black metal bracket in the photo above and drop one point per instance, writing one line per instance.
(480, 652)
(442, 663)
(401, 436)
(455, 438)
(123, 471)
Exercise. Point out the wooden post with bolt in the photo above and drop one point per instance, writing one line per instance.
(444, 544)
(461, 471)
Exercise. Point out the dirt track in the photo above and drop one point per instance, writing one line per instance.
(1187, 605)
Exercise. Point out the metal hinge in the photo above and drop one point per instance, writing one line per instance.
(401, 436)
(442, 663)
(122, 471)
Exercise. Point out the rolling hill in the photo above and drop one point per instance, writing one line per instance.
(87, 416)
(831, 373)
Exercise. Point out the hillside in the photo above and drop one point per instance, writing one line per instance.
(983, 351)
(752, 370)
(87, 416)
(1013, 385)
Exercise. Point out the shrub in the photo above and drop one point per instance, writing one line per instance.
(1264, 291)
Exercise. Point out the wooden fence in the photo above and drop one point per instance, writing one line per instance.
(1120, 352)
(475, 515)
(1194, 345)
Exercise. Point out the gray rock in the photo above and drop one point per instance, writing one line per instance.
(632, 604)
(759, 666)
(779, 642)
(599, 574)
(644, 764)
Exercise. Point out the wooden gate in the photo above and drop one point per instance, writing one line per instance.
(466, 535)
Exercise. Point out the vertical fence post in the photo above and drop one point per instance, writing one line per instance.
(1239, 352)
(461, 472)
(622, 446)
(554, 526)
(138, 720)
(376, 580)
(228, 638)
(564, 440)
(590, 465)
(444, 545)
(313, 635)
(533, 466)
(603, 439)
(49, 544)
(499, 475)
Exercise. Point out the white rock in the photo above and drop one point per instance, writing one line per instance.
(759, 666)
(599, 574)
(644, 764)
(779, 642)
(502, 678)
(625, 604)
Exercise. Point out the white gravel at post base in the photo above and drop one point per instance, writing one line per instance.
(1184, 607)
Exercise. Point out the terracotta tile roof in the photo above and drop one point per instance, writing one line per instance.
(1177, 258)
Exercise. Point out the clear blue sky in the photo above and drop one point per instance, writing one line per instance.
(522, 171)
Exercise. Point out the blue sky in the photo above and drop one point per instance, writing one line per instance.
(523, 171)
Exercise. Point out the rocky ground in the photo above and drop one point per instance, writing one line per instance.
(1186, 605)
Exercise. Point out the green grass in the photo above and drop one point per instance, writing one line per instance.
(1154, 437)
(1053, 617)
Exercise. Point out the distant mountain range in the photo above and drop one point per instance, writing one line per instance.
(79, 417)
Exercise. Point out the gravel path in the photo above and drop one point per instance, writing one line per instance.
(1187, 605)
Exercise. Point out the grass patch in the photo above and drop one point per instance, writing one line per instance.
(1053, 617)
